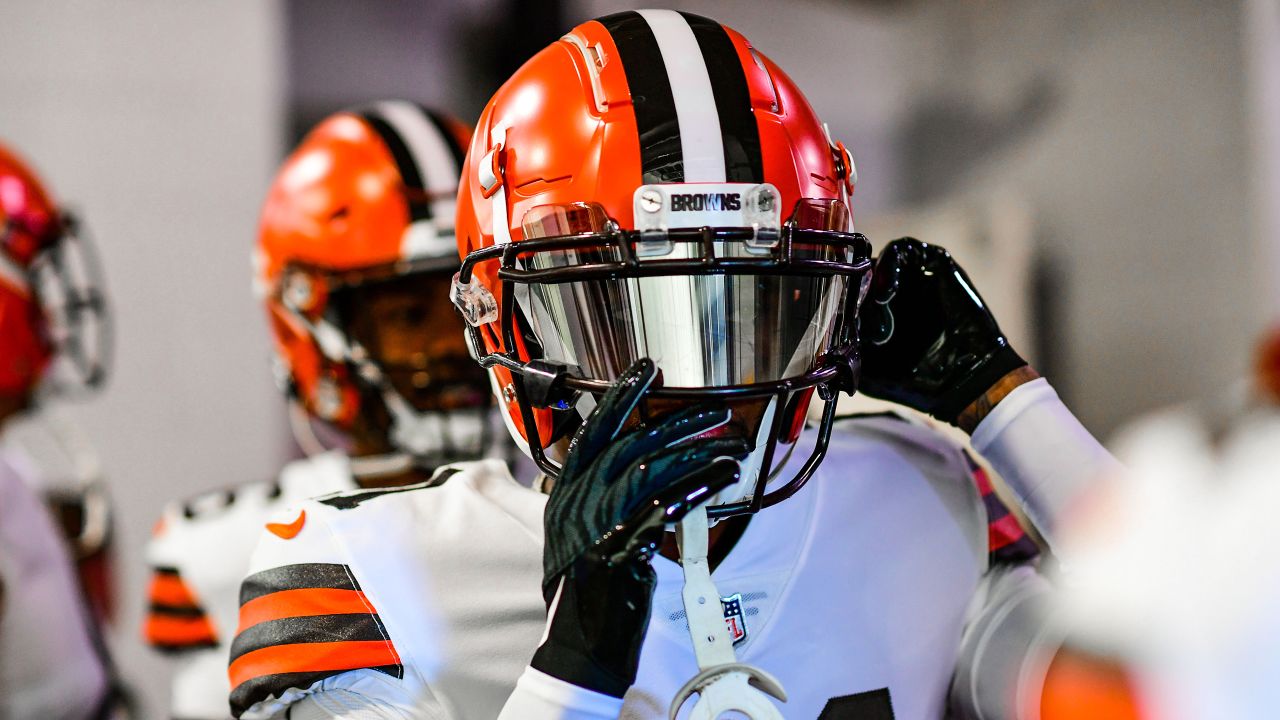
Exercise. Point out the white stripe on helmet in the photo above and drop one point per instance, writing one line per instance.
(439, 171)
(700, 140)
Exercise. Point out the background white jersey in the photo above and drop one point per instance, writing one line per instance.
(425, 601)
(50, 666)
(199, 554)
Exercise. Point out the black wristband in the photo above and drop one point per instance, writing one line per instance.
(565, 654)
(576, 668)
(1000, 363)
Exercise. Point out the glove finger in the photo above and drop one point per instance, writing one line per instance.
(655, 471)
(875, 325)
(610, 413)
(671, 431)
(597, 512)
(888, 268)
(637, 537)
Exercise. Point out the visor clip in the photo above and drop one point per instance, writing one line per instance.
(845, 169)
(545, 387)
(848, 370)
(491, 168)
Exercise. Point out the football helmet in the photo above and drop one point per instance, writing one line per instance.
(1266, 368)
(361, 210)
(651, 185)
(53, 319)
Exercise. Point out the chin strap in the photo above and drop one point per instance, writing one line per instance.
(722, 684)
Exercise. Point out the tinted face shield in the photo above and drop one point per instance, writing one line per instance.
(754, 314)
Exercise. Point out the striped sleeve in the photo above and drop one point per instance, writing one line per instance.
(1007, 541)
(176, 621)
(301, 624)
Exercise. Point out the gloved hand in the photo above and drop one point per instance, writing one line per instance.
(927, 339)
(604, 521)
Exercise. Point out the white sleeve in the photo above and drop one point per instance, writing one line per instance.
(539, 696)
(1006, 648)
(346, 704)
(1042, 451)
(352, 669)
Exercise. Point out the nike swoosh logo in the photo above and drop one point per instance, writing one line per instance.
(288, 531)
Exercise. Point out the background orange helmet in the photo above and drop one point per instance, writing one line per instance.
(50, 298)
(368, 195)
(652, 185)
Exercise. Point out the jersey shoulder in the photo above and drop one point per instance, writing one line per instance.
(344, 586)
(915, 440)
(200, 549)
(941, 453)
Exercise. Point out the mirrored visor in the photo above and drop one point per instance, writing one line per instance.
(702, 329)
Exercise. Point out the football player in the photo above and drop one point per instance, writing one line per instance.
(52, 660)
(354, 259)
(1164, 623)
(661, 276)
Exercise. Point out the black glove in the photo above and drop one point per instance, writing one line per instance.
(927, 339)
(604, 521)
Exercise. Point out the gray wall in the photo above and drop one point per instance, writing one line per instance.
(1122, 127)
(161, 121)
(1139, 171)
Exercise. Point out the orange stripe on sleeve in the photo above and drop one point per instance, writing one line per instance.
(167, 631)
(169, 589)
(303, 602)
(311, 657)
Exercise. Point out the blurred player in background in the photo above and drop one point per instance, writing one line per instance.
(661, 274)
(1171, 578)
(355, 254)
(53, 341)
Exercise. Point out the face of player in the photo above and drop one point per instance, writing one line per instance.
(412, 331)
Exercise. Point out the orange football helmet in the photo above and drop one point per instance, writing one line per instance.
(651, 185)
(1266, 367)
(367, 198)
(51, 303)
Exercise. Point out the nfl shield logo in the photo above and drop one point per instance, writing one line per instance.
(733, 618)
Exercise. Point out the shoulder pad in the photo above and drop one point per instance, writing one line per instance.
(354, 498)
(914, 435)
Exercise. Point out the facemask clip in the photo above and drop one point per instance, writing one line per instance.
(544, 384)
(477, 305)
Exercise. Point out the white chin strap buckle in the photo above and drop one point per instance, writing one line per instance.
(722, 684)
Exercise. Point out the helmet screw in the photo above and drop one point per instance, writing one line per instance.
(509, 393)
(328, 398)
(298, 291)
(651, 200)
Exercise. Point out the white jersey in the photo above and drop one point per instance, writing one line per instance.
(425, 601)
(50, 666)
(199, 554)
